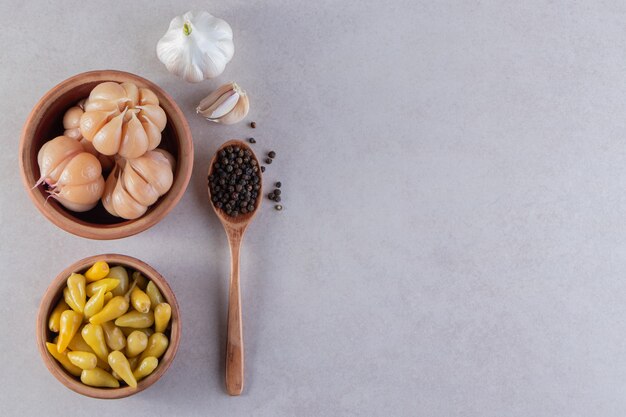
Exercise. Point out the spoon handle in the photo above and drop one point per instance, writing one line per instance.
(234, 337)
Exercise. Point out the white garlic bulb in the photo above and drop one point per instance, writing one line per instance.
(122, 119)
(136, 184)
(196, 46)
(227, 105)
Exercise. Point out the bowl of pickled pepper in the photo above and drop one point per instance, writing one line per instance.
(108, 326)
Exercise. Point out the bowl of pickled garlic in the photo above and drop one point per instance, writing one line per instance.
(45, 123)
(141, 336)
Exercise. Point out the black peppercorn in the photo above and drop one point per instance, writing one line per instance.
(272, 154)
(276, 192)
(262, 169)
(268, 161)
(252, 140)
(253, 125)
(278, 184)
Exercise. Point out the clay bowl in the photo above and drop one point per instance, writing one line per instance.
(54, 293)
(45, 123)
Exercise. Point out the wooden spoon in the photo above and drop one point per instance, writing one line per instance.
(235, 228)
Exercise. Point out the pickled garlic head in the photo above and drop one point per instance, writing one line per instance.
(136, 184)
(122, 119)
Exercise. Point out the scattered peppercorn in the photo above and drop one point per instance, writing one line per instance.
(234, 181)
(278, 184)
(262, 169)
(253, 125)
(252, 140)
(270, 196)
(268, 161)
(277, 199)
(271, 154)
(278, 207)
(276, 192)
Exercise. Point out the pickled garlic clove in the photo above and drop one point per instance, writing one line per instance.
(91, 122)
(124, 204)
(82, 169)
(107, 139)
(134, 142)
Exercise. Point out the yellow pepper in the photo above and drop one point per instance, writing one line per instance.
(162, 315)
(113, 336)
(145, 368)
(120, 365)
(76, 292)
(62, 359)
(68, 326)
(119, 273)
(140, 300)
(97, 271)
(112, 310)
(136, 343)
(155, 295)
(95, 303)
(55, 317)
(107, 297)
(78, 343)
(157, 345)
(128, 330)
(94, 336)
(108, 283)
(84, 360)
(140, 279)
(98, 378)
(136, 320)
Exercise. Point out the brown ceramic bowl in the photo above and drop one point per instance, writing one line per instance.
(54, 293)
(45, 123)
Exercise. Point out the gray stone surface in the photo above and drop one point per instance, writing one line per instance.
(453, 236)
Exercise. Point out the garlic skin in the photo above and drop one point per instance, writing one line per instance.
(196, 46)
(136, 184)
(122, 119)
(227, 105)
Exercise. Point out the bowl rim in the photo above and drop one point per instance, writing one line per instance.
(124, 229)
(52, 293)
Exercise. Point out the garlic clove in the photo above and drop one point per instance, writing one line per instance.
(124, 205)
(107, 140)
(86, 195)
(155, 113)
(134, 139)
(109, 187)
(71, 118)
(92, 121)
(107, 91)
(101, 105)
(153, 133)
(138, 187)
(169, 157)
(147, 96)
(83, 168)
(132, 93)
(73, 134)
(227, 105)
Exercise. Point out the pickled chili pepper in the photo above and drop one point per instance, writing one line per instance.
(107, 297)
(98, 378)
(68, 300)
(55, 316)
(140, 300)
(145, 368)
(128, 330)
(68, 326)
(136, 320)
(94, 336)
(77, 292)
(62, 359)
(136, 343)
(95, 303)
(78, 343)
(108, 283)
(140, 279)
(98, 270)
(112, 310)
(155, 295)
(113, 336)
(162, 315)
(157, 344)
(119, 273)
(120, 365)
(84, 360)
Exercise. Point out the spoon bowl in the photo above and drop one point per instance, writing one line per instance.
(235, 228)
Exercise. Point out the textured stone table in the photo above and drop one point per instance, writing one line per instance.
(453, 241)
